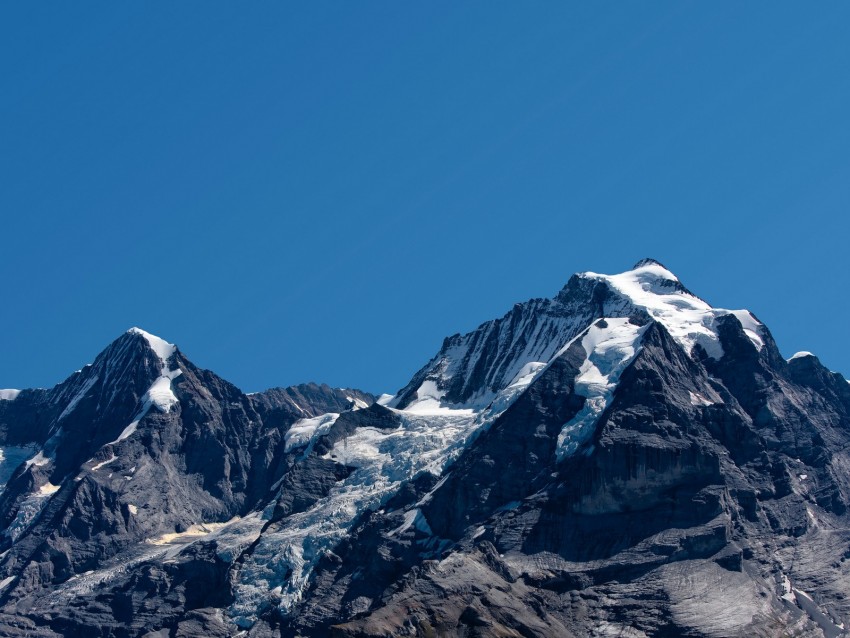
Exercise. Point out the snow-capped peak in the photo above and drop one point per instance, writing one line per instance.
(9, 395)
(161, 347)
(160, 393)
(690, 320)
(475, 369)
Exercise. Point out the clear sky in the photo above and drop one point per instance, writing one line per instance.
(323, 191)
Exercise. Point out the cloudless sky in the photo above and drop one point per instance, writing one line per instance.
(323, 191)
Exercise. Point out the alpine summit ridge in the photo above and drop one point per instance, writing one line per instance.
(622, 459)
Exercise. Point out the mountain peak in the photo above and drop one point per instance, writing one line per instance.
(652, 288)
(471, 370)
(161, 347)
(649, 261)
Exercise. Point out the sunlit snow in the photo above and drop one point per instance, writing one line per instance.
(800, 355)
(687, 318)
(161, 347)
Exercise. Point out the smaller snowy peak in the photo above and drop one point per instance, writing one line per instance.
(9, 395)
(161, 347)
(160, 394)
(800, 355)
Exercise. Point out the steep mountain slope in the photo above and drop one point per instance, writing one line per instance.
(622, 459)
(139, 445)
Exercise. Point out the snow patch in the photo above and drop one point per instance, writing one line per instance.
(111, 459)
(427, 498)
(800, 355)
(611, 345)
(160, 393)
(527, 374)
(126, 432)
(787, 589)
(359, 404)
(698, 399)
(133, 509)
(752, 328)
(39, 460)
(429, 400)
(808, 604)
(9, 394)
(413, 518)
(303, 431)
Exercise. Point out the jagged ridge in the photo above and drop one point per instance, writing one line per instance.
(621, 459)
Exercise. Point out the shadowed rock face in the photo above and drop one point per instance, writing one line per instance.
(484, 361)
(709, 497)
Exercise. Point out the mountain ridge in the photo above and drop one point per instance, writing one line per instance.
(562, 469)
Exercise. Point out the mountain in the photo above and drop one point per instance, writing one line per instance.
(620, 460)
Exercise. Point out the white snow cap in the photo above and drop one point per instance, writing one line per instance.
(163, 349)
(689, 319)
(9, 395)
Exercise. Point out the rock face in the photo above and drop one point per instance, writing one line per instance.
(620, 460)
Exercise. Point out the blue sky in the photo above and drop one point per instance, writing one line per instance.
(323, 191)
